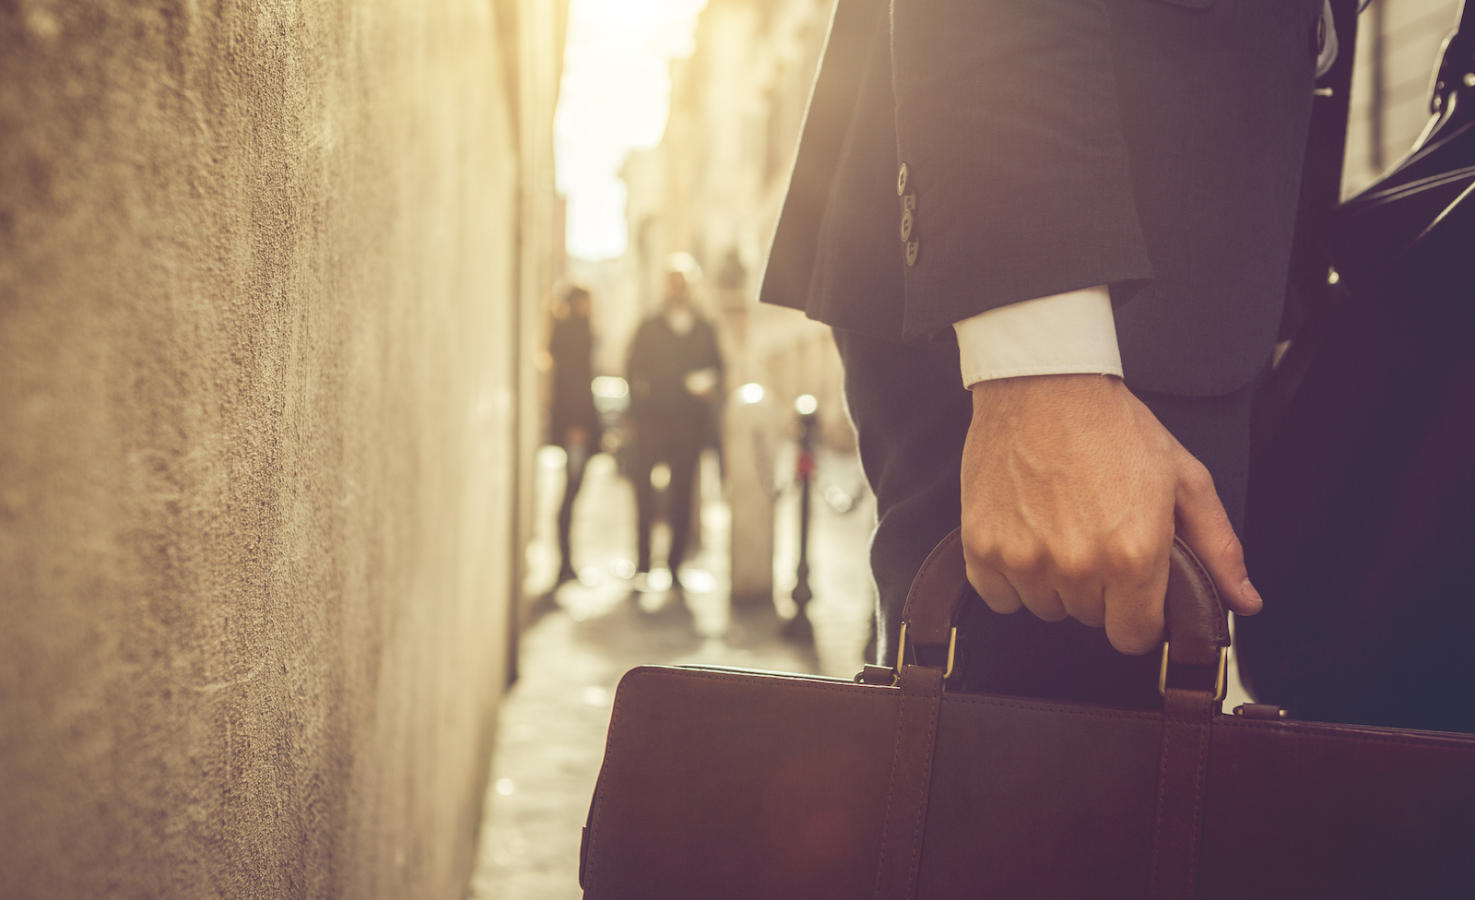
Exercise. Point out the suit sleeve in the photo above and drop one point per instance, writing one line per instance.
(1014, 165)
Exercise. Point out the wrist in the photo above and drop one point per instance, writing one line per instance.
(1025, 386)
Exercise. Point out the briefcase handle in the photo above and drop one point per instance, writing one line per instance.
(1197, 642)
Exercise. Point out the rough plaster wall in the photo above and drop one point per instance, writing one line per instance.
(255, 264)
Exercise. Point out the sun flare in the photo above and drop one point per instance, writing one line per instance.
(616, 87)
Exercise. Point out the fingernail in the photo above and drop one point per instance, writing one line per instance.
(1250, 595)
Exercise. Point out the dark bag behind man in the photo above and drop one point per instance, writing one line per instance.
(1360, 525)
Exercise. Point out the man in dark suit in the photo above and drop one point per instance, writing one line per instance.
(1088, 205)
(675, 374)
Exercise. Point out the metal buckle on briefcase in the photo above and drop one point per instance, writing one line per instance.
(1221, 677)
(901, 654)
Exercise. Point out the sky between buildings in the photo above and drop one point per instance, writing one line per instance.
(616, 90)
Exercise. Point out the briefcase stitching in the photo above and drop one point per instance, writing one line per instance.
(1301, 731)
(1174, 728)
(935, 703)
(1026, 703)
(890, 797)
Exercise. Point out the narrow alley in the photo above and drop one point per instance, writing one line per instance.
(306, 308)
(587, 634)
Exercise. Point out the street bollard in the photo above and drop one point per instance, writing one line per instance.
(750, 437)
(800, 628)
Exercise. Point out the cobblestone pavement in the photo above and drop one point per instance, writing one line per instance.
(552, 724)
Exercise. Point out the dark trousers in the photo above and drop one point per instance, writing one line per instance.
(682, 460)
(911, 415)
(573, 479)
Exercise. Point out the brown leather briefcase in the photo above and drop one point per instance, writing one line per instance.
(732, 784)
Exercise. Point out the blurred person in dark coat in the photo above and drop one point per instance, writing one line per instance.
(675, 371)
(573, 419)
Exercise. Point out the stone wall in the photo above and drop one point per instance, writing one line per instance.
(256, 267)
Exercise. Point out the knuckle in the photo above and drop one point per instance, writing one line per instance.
(1075, 564)
(1136, 624)
(1020, 556)
(1086, 606)
(1130, 556)
(978, 543)
(1050, 610)
(987, 586)
(1134, 640)
(976, 578)
(1198, 478)
(971, 572)
(999, 604)
(1091, 619)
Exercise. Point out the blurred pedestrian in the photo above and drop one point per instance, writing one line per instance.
(675, 372)
(573, 419)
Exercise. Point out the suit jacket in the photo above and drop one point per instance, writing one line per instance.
(668, 418)
(959, 155)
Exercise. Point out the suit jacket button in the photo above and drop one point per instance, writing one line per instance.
(913, 248)
(901, 179)
(906, 226)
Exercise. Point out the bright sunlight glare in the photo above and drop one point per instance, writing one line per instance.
(615, 95)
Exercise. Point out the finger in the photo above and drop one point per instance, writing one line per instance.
(1041, 599)
(1204, 526)
(1078, 584)
(994, 590)
(1085, 602)
(1024, 564)
(1134, 612)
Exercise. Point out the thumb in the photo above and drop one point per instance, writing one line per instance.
(1204, 526)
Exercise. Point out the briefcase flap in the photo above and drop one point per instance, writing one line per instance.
(739, 785)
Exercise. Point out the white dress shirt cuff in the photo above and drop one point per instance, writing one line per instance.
(1064, 334)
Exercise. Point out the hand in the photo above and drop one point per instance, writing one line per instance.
(1072, 492)
(701, 383)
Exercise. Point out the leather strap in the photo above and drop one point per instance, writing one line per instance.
(1198, 630)
(909, 783)
(1196, 624)
(937, 593)
(1183, 765)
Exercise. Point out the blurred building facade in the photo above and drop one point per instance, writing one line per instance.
(715, 184)
(264, 275)
(535, 34)
(1397, 48)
